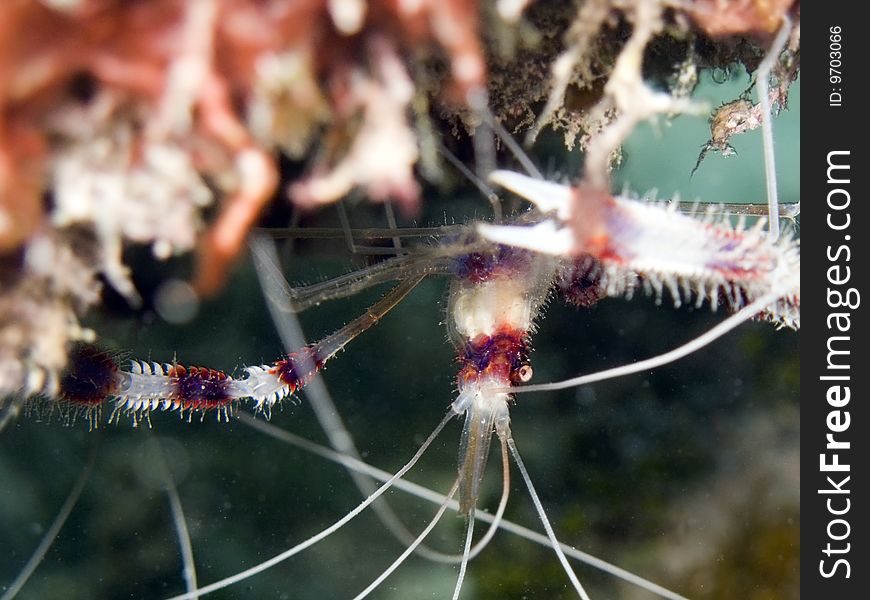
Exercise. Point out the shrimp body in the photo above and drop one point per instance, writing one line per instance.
(492, 309)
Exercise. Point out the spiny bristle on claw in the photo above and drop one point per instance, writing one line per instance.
(646, 245)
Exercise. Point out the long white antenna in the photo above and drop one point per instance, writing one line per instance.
(53, 531)
(764, 69)
(463, 566)
(412, 546)
(744, 314)
(274, 287)
(179, 521)
(434, 497)
(542, 515)
(278, 558)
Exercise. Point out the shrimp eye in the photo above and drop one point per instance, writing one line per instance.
(523, 374)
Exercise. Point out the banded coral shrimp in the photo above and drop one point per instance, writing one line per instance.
(215, 503)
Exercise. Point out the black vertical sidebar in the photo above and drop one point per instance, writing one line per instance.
(835, 228)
